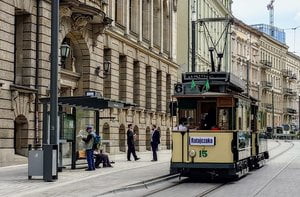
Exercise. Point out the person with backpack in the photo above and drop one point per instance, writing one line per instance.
(89, 142)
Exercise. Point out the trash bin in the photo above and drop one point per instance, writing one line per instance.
(35, 162)
(42, 161)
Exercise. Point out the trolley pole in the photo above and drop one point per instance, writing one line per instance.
(193, 41)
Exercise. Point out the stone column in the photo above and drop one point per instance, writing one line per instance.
(159, 90)
(111, 83)
(127, 23)
(140, 84)
(126, 79)
(151, 88)
(140, 25)
(162, 26)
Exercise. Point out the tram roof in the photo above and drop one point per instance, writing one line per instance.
(215, 95)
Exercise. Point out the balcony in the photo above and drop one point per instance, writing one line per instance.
(293, 77)
(265, 64)
(286, 73)
(266, 84)
(267, 106)
(287, 91)
(92, 11)
(290, 111)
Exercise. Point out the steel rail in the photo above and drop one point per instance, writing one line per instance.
(276, 175)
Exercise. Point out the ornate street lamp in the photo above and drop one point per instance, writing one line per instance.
(64, 52)
(106, 67)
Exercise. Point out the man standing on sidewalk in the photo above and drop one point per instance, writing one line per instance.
(89, 142)
(155, 141)
(130, 143)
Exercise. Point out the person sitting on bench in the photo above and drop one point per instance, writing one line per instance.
(102, 158)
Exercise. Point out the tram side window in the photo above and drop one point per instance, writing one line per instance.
(223, 119)
(188, 116)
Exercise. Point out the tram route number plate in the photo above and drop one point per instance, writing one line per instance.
(202, 141)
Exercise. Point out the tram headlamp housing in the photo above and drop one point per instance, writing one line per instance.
(192, 153)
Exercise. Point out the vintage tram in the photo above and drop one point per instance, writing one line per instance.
(216, 134)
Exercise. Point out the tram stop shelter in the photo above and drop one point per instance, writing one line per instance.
(72, 111)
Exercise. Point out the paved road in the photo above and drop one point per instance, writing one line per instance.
(284, 171)
(279, 177)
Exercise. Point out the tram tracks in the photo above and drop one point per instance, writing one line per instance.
(163, 179)
(211, 190)
(262, 188)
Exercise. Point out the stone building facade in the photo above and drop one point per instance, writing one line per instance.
(273, 74)
(140, 45)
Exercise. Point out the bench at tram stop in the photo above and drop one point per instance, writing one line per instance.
(81, 154)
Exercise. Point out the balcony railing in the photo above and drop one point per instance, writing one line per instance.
(267, 106)
(287, 91)
(289, 110)
(266, 64)
(266, 84)
(286, 73)
(293, 77)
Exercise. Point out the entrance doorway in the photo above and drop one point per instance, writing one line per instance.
(148, 138)
(21, 136)
(122, 139)
(137, 137)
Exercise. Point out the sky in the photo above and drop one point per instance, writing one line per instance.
(286, 16)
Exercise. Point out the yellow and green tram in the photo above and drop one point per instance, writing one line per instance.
(216, 133)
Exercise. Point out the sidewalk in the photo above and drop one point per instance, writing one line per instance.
(88, 183)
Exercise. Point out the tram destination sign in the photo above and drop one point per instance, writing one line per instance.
(189, 76)
(223, 77)
(202, 141)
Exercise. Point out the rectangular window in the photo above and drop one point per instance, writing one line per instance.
(146, 20)
(119, 12)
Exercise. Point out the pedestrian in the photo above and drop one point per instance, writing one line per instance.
(155, 141)
(89, 142)
(130, 143)
(101, 158)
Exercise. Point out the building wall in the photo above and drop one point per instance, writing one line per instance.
(272, 71)
(142, 58)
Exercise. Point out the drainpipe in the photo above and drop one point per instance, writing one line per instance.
(37, 56)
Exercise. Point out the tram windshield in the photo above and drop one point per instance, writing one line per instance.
(206, 113)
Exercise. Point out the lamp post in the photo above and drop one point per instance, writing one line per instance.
(54, 71)
(273, 113)
(50, 150)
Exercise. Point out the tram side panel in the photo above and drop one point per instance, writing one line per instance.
(206, 151)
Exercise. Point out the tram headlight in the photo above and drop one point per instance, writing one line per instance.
(192, 153)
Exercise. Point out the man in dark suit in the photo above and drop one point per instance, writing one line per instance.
(155, 141)
(130, 143)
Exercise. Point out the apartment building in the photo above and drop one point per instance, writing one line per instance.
(270, 72)
(124, 50)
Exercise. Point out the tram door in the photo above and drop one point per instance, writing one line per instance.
(207, 114)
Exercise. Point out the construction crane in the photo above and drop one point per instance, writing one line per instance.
(270, 7)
